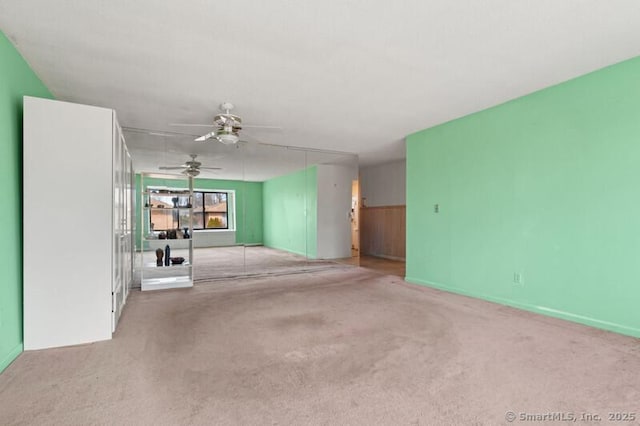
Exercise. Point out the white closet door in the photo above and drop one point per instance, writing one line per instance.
(129, 220)
(67, 219)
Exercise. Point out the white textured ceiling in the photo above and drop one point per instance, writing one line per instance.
(345, 75)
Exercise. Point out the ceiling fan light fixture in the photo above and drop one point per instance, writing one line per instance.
(227, 138)
(192, 172)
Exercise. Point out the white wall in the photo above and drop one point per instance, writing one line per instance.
(334, 206)
(384, 184)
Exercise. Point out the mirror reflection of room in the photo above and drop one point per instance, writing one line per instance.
(258, 209)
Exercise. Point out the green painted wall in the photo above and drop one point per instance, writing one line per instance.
(286, 198)
(248, 205)
(16, 80)
(545, 186)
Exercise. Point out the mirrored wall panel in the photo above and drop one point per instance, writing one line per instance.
(257, 209)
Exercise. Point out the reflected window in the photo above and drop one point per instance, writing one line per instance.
(215, 210)
(169, 209)
(198, 210)
(211, 210)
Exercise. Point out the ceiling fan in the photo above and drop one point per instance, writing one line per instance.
(227, 126)
(191, 168)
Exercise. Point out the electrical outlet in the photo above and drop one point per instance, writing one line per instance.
(517, 278)
(436, 208)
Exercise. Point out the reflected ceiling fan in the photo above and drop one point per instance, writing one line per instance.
(227, 126)
(191, 168)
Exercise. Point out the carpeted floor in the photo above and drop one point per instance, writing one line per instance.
(347, 346)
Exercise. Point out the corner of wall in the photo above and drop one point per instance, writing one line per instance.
(17, 79)
(10, 356)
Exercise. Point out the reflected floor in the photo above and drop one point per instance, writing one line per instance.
(215, 263)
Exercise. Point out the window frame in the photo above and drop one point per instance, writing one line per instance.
(229, 212)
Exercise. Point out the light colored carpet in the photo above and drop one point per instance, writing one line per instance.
(334, 347)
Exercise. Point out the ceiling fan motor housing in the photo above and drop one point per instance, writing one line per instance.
(227, 120)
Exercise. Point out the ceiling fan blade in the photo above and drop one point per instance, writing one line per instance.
(192, 125)
(152, 132)
(257, 126)
(205, 137)
(171, 167)
(249, 126)
(210, 168)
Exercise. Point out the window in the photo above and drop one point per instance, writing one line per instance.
(211, 210)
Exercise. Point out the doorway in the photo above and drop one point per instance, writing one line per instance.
(355, 218)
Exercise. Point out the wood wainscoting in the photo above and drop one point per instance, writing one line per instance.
(382, 231)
